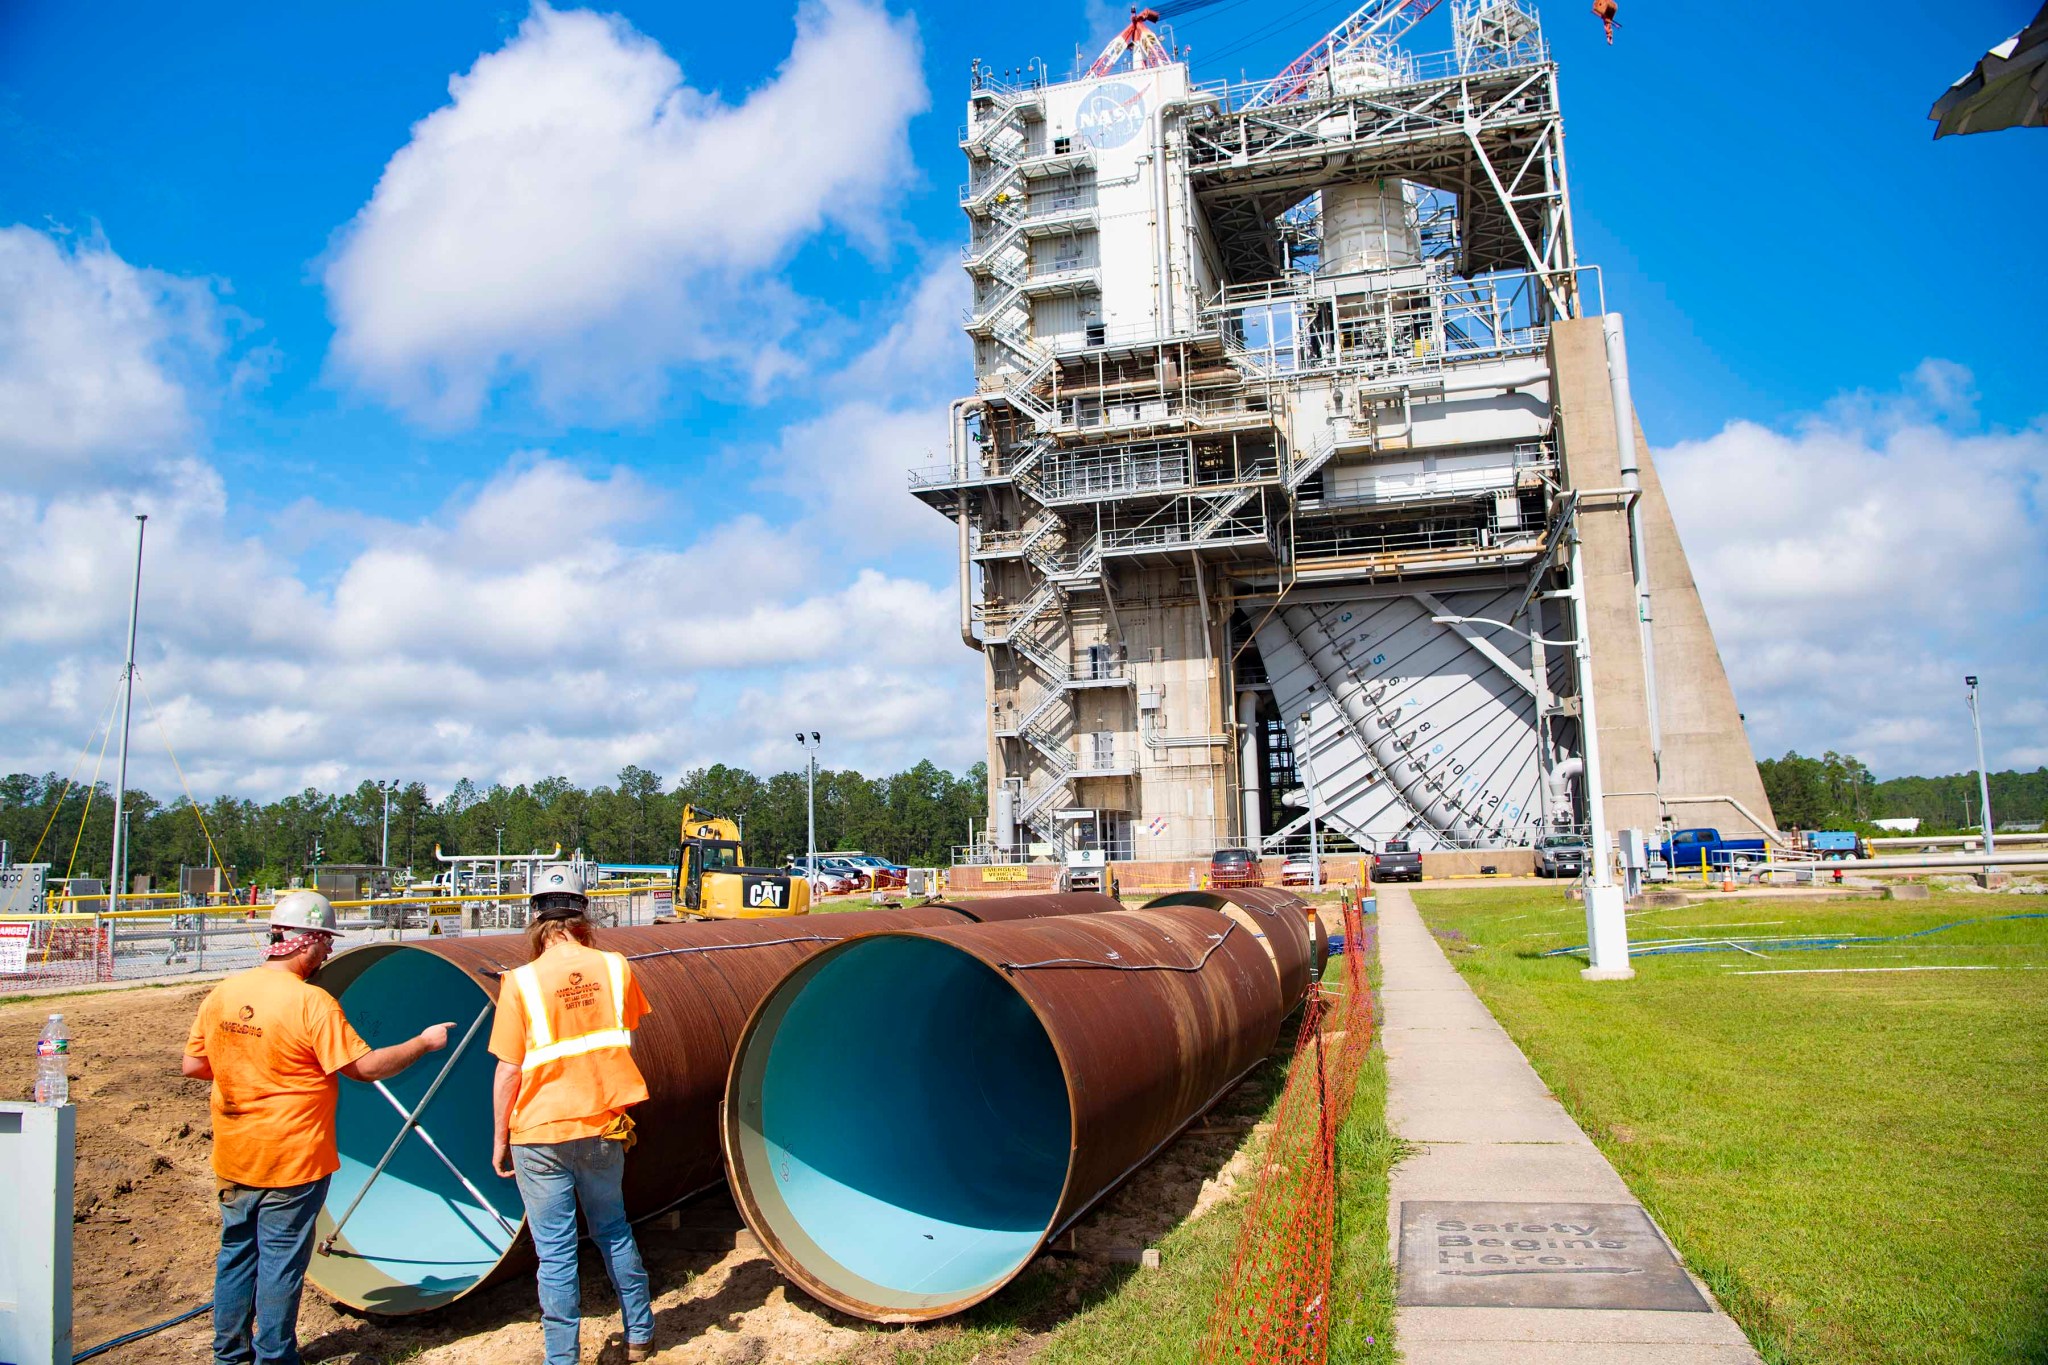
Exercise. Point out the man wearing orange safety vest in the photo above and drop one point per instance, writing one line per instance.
(563, 1037)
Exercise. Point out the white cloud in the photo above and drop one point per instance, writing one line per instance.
(848, 467)
(581, 218)
(95, 355)
(484, 641)
(1858, 565)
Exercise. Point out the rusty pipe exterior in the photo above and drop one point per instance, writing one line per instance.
(420, 1240)
(1029, 1069)
(1285, 925)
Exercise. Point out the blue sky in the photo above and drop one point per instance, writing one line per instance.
(607, 440)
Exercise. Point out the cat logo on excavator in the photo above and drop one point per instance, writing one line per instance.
(713, 881)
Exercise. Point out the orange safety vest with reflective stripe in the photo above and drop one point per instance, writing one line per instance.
(577, 1070)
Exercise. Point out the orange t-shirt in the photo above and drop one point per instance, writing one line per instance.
(274, 1044)
(576, 1070)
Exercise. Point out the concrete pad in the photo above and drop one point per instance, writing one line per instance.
(1433, 1122)
(1542, 1172)
(1445, 1009)
(1435, 1352)
(1591, 1325)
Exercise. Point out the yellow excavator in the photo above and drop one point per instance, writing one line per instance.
(713, 881)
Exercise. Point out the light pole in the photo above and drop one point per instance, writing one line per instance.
(1983, 781)
(810, 749)
(384, 850)
(1606, 911)
(116, 867)
(1308, 779)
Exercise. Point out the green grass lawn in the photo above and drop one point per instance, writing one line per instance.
(1853, 1160)
(1063, 1312)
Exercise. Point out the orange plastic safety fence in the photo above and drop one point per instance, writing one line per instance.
(1275, 1306)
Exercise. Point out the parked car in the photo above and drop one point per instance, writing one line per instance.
(1561, 855)
(1298, 871)
(1236, 867)
(1396, 862)
(881, 872)
(824, 881)
(861, 878)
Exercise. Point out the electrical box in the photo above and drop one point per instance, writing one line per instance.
(37, 1150)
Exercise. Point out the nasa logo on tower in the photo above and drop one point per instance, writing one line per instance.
(1110, 115)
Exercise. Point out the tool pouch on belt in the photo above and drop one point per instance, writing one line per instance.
(620, 1130)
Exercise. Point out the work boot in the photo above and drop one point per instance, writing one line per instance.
(639, 1350)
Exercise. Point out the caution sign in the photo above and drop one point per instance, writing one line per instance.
(14, 940)
(1006, 874)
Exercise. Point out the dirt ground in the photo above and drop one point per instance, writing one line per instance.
(145, 1227)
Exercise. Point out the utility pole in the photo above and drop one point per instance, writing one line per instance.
(810, 797)
(1983, 779)
(118, 862)
(1308, 779)
(1606, 913)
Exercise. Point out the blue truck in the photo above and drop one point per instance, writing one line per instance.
(1689, 850)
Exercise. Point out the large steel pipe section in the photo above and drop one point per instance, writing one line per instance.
(435, 1222)
(1286, 926)
(912, 1114)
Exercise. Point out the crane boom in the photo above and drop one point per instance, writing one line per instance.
(1385, 20)
(1139, 40)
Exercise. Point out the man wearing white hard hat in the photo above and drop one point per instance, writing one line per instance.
(272, 1045)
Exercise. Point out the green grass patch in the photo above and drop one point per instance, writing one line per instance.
(1851, 1159)
(1063, 1312)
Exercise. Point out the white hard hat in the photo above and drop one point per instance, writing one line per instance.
(559, 879)
(304, 910)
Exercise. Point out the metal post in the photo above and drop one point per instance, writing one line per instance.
(127, 708)
(1606, 915)
(384, 852)
(326, 1247)
(1308, 779)
(1983, 779)
(1639, 556)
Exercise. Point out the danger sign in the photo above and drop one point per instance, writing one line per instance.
(14, 941)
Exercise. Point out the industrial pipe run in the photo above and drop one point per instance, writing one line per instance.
(1031, 1068)
(415, 1218)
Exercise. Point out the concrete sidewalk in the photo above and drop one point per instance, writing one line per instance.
(1487, 1129)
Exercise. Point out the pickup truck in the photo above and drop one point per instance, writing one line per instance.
(1396, 862)
(1688, 850)
(1560, 855)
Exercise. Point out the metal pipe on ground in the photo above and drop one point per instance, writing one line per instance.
(1030, 1068)
(420, 1239)
(1285, 925)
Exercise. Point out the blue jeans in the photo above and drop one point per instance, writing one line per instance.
(266, 1239)
(553, 1178)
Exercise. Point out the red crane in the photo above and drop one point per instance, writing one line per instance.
(1384, 20)
(1138, 40)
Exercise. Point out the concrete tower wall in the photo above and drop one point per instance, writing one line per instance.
(1705, 752)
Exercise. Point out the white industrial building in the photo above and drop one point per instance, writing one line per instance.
(1272, 379)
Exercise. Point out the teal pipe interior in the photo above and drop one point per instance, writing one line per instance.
(418, 1239)
(914, 1116)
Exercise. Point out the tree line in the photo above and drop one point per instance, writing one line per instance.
(1836, 791)
(913, 817)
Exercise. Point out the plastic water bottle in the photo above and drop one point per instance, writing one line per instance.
(53, 1052)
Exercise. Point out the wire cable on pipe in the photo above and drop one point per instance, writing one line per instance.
(1231, 928)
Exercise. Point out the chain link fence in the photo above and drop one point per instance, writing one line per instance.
(78, 942)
